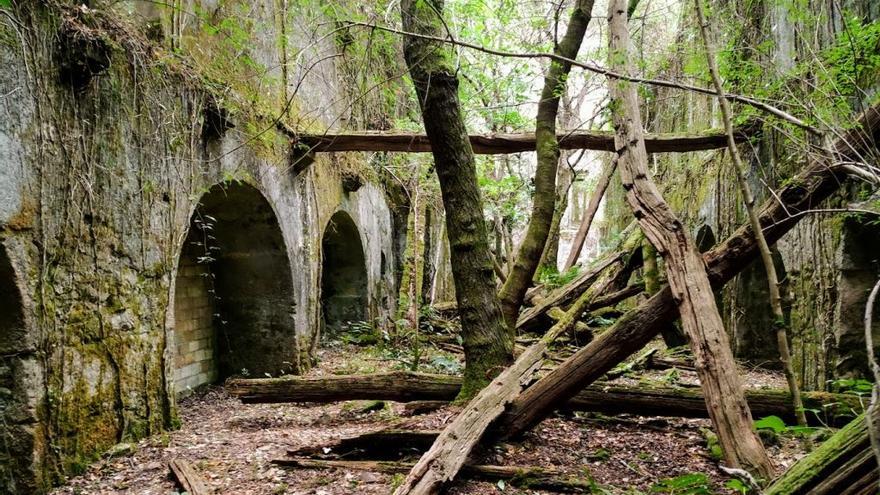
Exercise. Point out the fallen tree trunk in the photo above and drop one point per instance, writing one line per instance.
(494, 144)
(387, 444)
(538, 478)
(637, 327)
(400, 386)
(844, 464)
(605, 398)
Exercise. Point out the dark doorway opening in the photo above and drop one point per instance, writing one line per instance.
(343, 276)
(234, 301)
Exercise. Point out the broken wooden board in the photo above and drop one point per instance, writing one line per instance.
(189, 480)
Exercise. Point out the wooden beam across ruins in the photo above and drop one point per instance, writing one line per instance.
(496, 144)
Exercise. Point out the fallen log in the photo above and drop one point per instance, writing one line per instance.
(607, 398)
(496, 144)
(637, 327)
(844, 464)
(538, 478)
(189, 480)
(400, 386)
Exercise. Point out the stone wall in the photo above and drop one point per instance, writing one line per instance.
(109, 147)
(194, 363)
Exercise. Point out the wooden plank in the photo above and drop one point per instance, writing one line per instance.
(189, 480)
(496, 144)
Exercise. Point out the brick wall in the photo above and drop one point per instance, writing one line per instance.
(194, 331)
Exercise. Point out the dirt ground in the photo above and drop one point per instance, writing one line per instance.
(231, 444)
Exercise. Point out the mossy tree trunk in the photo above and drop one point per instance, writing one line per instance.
(685, 268)
(487, 341)
(547, 146)
(651, 273)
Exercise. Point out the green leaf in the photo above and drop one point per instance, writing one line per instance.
(7, 4)
(774, 423)
(501, 485)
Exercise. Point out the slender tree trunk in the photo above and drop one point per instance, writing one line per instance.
(749, 201)
(550, 257)
(671, 334)
(412, 293)
(587, 220)
(428, 254)
(685, 268)
(529, 255)
(487, 341)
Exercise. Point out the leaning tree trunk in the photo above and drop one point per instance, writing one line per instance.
(749, 201)
(550, 257)
(587, 220)
(547, 146)
(685, 268)
(487, 341)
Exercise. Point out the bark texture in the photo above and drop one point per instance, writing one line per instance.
(528, 256)
(685, 269)
(487, 341)
(672, 337)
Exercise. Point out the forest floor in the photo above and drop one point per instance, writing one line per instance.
(231, 444)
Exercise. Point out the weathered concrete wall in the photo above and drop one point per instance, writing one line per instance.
(194, 363)
(107, 147)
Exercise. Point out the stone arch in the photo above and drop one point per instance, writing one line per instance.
(344, 280)
(233, 299)
(18, 370)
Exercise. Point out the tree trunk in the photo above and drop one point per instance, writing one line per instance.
(749, 201)
(874, 414)
(550, 257)
(672, 337)
(547, 146)
(428, 254)
(487, 341)
(843, 464)
(587, 220)
(637, 327)
(685, 269)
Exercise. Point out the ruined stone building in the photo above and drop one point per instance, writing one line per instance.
(147, 246)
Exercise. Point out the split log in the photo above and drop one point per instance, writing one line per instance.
(400, 386)
(538, 478)
(844, 464)
(496, 144)
(189, 480)
(637, 327)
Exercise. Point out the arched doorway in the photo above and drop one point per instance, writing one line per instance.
(17, 362)
(343, 275)
(233, 300)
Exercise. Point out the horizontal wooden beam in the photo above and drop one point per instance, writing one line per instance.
(495, 144)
